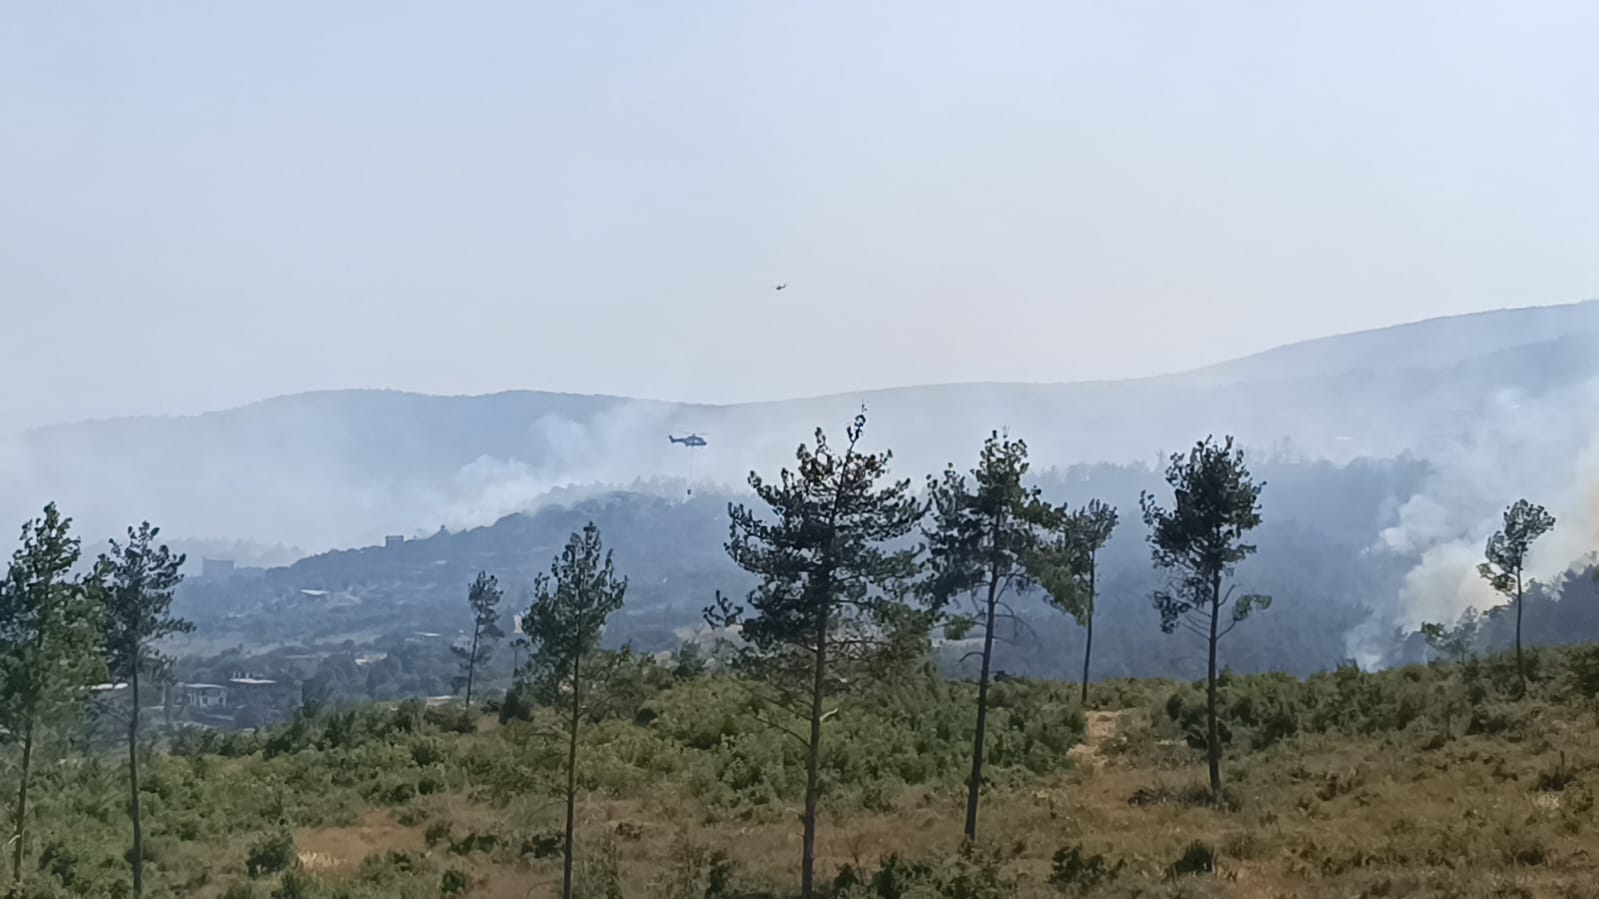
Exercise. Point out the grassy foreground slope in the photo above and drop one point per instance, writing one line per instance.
(1424, 781)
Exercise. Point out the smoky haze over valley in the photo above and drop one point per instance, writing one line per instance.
(292, 280)
(1498, 405)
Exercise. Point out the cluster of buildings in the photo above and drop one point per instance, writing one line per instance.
(244, 700)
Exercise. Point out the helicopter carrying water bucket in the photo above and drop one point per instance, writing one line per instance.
(690, 441)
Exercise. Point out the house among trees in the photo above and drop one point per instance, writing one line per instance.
(205, 696)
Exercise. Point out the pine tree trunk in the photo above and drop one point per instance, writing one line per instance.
(813, 761)
(571, 778)
(133, 785)
(975, 785)
(1088, 646)
(1521, 668)
(22, 805)
(1212, 738)
(471, 666)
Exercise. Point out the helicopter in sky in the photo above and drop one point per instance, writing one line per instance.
(690, 440)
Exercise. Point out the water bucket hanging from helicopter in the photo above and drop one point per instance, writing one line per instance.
(690, 442)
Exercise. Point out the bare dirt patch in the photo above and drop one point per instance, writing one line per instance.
(1100, 728)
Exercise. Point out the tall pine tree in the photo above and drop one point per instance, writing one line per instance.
(483, 598)
(1067, 566)
(563, 627)
(1200, 540)
(48, 649)
(1506, 564)
(831, 608)
(982, 535)
(134, 586)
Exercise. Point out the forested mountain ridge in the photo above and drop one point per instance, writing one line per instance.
(1333, 588)
(342, 468)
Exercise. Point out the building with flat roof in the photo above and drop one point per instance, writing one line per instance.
(205, 696)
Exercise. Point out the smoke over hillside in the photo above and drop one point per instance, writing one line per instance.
(1502, 405)
(1545, 449)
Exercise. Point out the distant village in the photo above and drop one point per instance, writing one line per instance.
(246, 699)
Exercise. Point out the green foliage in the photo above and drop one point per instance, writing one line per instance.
(483, 599)
(273, 853)
(1200, 541)
(979, 544)
(1198, 858)
(49, 642)
(1506, 555)
(895, 748)
(982, 533)
(295, 884)
(454, 882)
(1261, 711)
(972, 873)
(829, 588)
(1585, 671)
(700, 873)
(563, 625)
(1066, 564)
(135, 584)
(48, 626)
(1506, 552)
(829, 609)
(570, 605)
(1075, 870)
(1267, 709)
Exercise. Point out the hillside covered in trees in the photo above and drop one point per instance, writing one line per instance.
(1337, 590)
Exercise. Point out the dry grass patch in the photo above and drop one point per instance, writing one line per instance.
(345, 848)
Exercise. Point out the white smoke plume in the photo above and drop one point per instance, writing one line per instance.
(1543, 448)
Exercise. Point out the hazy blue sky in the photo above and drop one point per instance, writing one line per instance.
(202, 204)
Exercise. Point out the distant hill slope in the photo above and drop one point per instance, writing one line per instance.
(341, 468)
(1434, 343)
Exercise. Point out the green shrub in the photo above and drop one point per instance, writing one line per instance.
(1075, 870)
(454, 883)
(296, 884)
(437, 832)
(1198, 858)
(272, 854)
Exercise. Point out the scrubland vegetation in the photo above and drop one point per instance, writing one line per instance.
(1421, 781)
